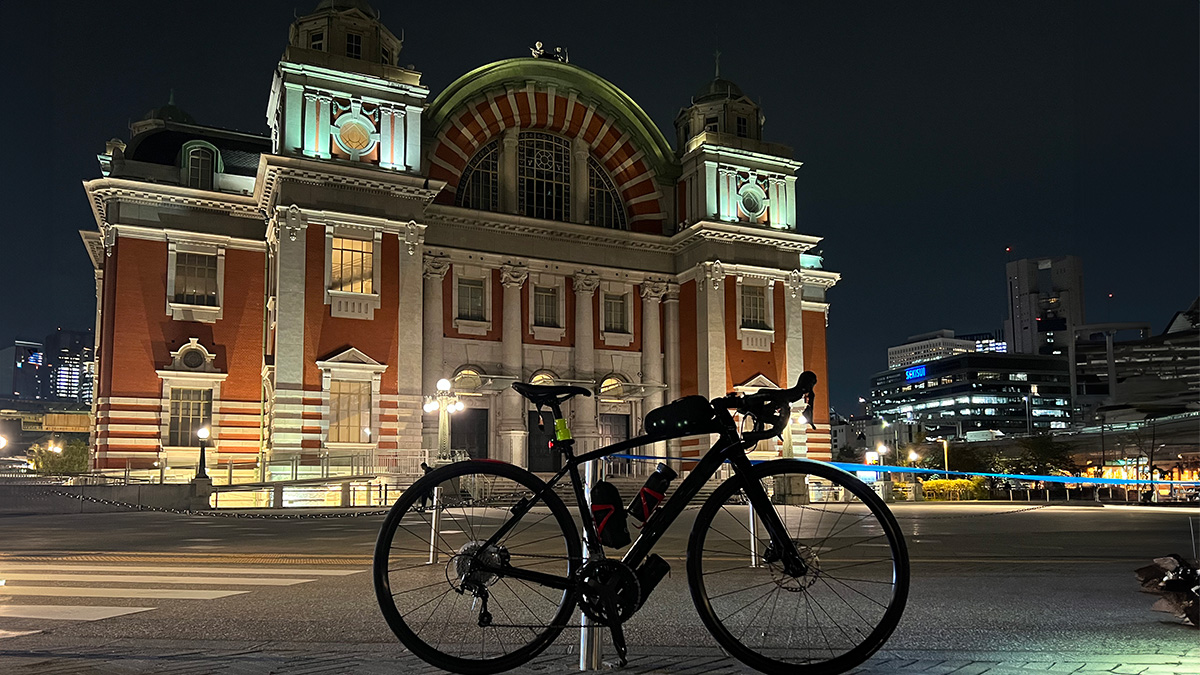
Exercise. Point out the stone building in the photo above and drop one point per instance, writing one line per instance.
(304, 291)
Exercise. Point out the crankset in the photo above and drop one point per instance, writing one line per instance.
(610, 593)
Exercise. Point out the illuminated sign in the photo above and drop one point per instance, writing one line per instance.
(914, 373)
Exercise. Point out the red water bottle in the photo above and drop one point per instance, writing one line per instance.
(651, 494)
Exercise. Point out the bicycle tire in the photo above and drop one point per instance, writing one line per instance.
(822, 567)
(382, 569)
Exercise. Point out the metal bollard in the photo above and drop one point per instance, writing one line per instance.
(435, 529)
(753, 535)
(589, 636)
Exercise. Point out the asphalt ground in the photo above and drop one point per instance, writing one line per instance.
(996, 588)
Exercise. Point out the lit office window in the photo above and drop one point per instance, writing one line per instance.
(350, 269)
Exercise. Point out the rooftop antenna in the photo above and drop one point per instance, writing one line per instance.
(717, 57)
(171, 97)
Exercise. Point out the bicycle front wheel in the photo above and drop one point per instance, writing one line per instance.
(828, 620)
(436, 575)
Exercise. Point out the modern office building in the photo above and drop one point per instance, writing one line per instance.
(71, 361)
(988, 342)
(303, 290)
(1045, 300)
(928, 347)
(23, 371)
(1010, 393)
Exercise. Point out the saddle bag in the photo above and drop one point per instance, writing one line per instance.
(609, 513)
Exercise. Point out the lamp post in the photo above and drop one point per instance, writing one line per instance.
(1028, 419)
(946, 455)
(202, 434)
(445, 403)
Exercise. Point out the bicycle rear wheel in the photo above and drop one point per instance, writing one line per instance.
(451, 613)
(826, 621)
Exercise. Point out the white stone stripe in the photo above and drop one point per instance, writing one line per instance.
(123, 400)
(453, 146)
(146, 579)
(616, 146)
(120, 440)
(128, 427)
(653, 196)
(81, 592)
(129, 414)
(68, 612)
(178, 569)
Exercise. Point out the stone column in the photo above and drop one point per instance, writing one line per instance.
(792, 325)
(584, 427)
(508, 169)
(512, 418)
(671, 355)
(579, 180)
(288, 235)
(652, 357)
(432, 337)
(710, 330)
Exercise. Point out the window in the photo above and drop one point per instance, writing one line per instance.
(196, 279)
(316, 41)
(544, 176)
(200, 168)
(353, 46)
(479, 187)
(614, 314)
(349, 411)
(545, 306)
(710, 124)
(754, 307)
(743, 127)
(612, 389)
(350, 269)
(191, 409)
(385, 56)
(604, 204)
(470, 300)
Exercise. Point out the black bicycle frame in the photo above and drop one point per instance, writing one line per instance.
(730, 446)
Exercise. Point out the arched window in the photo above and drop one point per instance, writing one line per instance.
(612, 389)
(604, 204)
(467, 379)
(480, 184)
(200, 163)
(542, 377)
(544, 176)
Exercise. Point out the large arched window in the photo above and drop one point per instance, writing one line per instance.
(604, 204)
(480, 184)
(544, 176)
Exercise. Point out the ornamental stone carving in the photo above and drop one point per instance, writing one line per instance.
(795, 282)
(513, 275)
(436, 266)
(654, 290)
(586, 283)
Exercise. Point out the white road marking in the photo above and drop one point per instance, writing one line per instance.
(173, 569)
(16, 633)
(81, 592)
(68, 612)
(148, 579)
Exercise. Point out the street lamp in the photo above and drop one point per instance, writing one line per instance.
(445, 403)
(202, 434)
(1028, 419)
(946, 455)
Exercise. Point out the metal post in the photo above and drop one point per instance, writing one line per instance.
(435, 527)
(230, 481)
(753, 535)
(589, 636)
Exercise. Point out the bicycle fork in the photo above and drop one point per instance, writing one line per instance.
(781, 547)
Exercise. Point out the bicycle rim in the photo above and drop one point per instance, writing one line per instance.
(436, 608)
(826, 621)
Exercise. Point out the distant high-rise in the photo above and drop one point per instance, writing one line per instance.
(928, 347)
(71, 359)
(23, 371)
(1045, 300)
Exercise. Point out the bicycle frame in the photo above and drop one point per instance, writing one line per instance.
(729, 447)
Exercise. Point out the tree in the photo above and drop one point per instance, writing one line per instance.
(1042, 455)
(847, 454)
(63, 459)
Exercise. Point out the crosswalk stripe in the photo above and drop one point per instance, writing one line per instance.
(82, 592)
(144, 579)
(173, 569)
(67, 612)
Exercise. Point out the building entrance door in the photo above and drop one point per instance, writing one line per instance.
(541, 457)
(469, 432)
(614, 429)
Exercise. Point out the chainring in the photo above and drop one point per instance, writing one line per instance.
(600, 577)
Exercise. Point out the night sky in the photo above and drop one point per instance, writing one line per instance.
(933, 134)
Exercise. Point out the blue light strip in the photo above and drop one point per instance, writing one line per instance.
(880, 468)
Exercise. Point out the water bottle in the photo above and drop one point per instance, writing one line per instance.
(651, 494)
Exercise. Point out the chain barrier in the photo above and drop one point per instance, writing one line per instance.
(215, 514)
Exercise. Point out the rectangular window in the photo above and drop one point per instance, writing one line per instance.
(545, 306)
(349, 411)
(743, 127)
(385, 56)
(353, 46)
(191, 409)
(470, 300)
(710, 123)
(350, 269)
(196, 279)
(614, 314)
(754, 307)
(316, 41)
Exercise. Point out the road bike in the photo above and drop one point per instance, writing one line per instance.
(794, 565)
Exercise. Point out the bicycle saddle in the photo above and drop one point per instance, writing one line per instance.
(547, 392)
